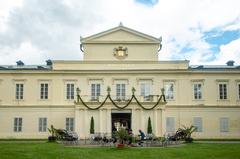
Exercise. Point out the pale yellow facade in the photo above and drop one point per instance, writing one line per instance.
(135, 65)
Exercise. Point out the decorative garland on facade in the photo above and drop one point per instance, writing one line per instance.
(161, 100)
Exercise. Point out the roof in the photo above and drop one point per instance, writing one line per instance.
(25, 67)
(120, 28)
(46, 67)
(208, 67)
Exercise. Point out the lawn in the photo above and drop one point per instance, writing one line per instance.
(58, 151)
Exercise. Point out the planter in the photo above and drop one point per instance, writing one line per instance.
(189, 140)
(120, 146)
(52, 138)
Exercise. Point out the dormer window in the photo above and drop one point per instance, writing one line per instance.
(120, 52)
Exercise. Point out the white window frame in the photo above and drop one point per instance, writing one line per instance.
(0, 89)
(70, 124)
(170, 128)
(42, 124)
(146, 90)
(224, 128)
(223, 93)
(169, 96)
(120, 91)
(19, 91)
(70, 91)
(197, 92)
(197, 122)
(238, 90)
(44, 93)
(95, 91)
(17, 124)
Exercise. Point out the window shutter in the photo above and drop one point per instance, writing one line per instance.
(170, 124)
(224, 125)
(197, 122)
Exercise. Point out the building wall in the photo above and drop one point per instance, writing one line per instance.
(105, 52)
(141, 65)
(183, 108)
(183, 87)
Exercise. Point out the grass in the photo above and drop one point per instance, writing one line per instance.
(14, 139)
(58, 151)
(217, 139)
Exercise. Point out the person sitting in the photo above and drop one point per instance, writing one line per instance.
(142, 137)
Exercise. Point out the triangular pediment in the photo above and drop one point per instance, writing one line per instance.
(120, 34)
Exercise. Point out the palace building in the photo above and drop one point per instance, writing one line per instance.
(119, 83)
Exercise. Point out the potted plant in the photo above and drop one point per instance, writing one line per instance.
(121, 135)
(188, 132)
(52, 131)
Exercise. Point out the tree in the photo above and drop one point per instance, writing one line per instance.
(149, 129)
(92, 126)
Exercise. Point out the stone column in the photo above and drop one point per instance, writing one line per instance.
(134, 123)
(109, 122)
(81, 123)
(155, 122)
(86, 124)
(100, 120)
(142, 125)
(77, 120)
(163, 121)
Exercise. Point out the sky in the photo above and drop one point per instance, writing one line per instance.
(205, 32)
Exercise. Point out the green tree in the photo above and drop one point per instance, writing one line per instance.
(92, 126)
(149, 129)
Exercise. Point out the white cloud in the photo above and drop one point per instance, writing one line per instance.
(5, 8)
(26, 52)
(53, 27)
(230, 51)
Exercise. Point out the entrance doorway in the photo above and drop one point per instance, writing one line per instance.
(121, 120)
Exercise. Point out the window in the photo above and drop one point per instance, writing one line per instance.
(19, 91)
(224, 124)
(120, 91)
(170, 124)
(197, 90)
(42, 124)
(44, 91)
(169, 94)
(223, 91)
(197, 122)
(239, 91)
(95, 91)
(145, 91)
(70, 124)
(17, 125)
(70, 91)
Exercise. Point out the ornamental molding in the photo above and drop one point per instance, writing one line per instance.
(161, 101)
(95, 80)
(222, 80)
(120, 52)
(169, 81)
(70, 80)
(121, 80)
(145, 80)
(198, 80)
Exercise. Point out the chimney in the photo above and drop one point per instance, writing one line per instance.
(230, 63)
(20, 63)
(49, 62)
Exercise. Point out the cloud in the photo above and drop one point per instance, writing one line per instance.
(51, 29)
(230, 51)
